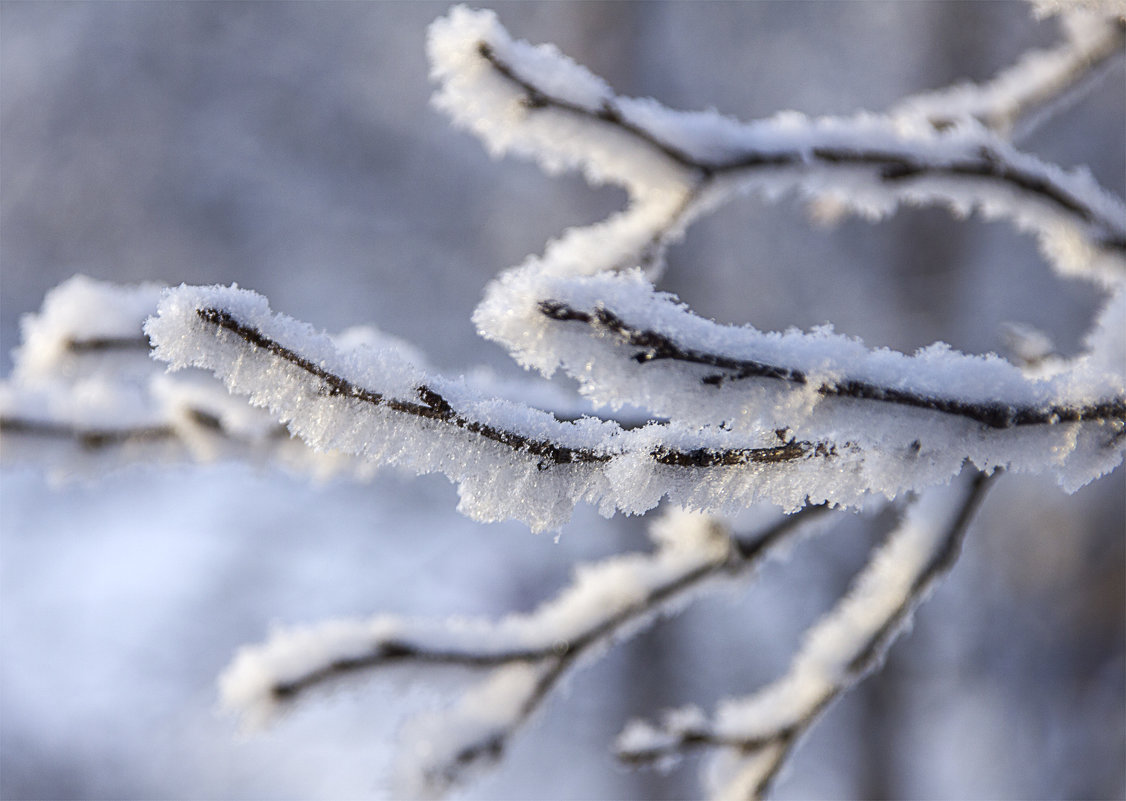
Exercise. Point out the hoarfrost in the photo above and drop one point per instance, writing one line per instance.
(802, 420)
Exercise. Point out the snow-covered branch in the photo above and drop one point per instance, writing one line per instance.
(79, 428)
(536, 102)
(645, 346)
(85, 392)
(608, 600)
(509, 460)
(378, 405)
(759, 731)
(576, 307)
(1040, 84)
(729, 416)
(623, 341)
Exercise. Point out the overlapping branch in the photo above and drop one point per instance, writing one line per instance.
(431, 405)
(91, 437)
(576, 308)
(381, 407)
(85, 393)
(84, 381)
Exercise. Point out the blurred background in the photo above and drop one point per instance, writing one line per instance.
(290, 148)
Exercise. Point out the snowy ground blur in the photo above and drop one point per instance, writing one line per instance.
(290, 148)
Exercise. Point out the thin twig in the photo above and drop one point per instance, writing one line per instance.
(867, 657)
(654, 346)
(102, 344)
(433, 406)
(560, 652)
(745, 554)
(889, 166)
(88, 437)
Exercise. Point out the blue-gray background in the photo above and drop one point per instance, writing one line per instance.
(290, 147)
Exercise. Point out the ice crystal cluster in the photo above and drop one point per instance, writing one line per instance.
(804, 420)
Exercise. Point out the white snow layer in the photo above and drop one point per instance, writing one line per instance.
(834, 655)
(733, 440)
(520, 98)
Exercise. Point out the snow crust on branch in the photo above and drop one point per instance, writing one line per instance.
(576, 307)
(624, 342)
(86, 327)
(293, 659)
(509, 460)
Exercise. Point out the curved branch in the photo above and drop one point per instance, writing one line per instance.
(551, 639)
(649, 346)
(890, 159)
(606, 602)
(624, 342)
(1025, 94)
(512, 461)
(433, 406)
(430, 406)
(812, 388)
(377, 405)
(189, 419)
(763, 729)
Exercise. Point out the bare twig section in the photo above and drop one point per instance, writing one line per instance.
(94, 437)
(87, 437)
(1038, 86)
(96, 344)
(760, 731)
(606, 602)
